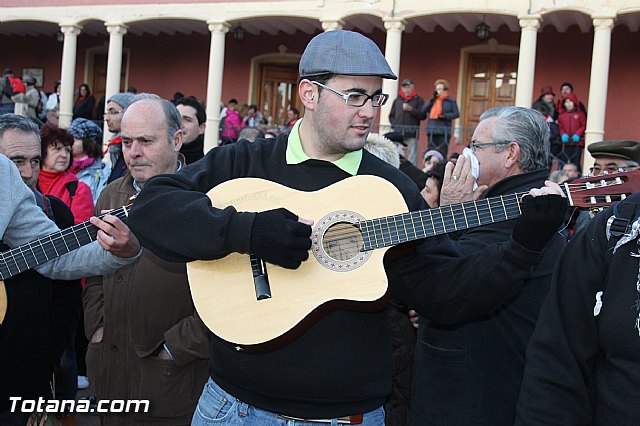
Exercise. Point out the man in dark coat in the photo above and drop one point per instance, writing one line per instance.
(582, 361)
(470, 352)
(405, 116)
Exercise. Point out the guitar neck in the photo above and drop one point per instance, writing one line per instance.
(30, 255)
(392, 230)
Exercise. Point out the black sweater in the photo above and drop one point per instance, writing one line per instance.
(342, 364)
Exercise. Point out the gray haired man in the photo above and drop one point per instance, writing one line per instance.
(40, 314)
(476, 339)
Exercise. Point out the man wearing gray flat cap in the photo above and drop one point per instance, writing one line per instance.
(338, 371)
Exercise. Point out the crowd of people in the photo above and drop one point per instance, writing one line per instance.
(485, 323)
(567, 120)
(409, 109)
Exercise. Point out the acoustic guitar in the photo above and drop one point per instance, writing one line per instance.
(30, 255)
(251, 303)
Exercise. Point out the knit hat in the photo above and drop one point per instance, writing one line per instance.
(346, 53)
(433, 153)
(81, 128)
(122, 99)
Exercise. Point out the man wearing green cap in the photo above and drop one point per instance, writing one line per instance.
(614, 155)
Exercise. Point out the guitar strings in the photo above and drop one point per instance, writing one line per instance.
(17, 254)
(448, 220)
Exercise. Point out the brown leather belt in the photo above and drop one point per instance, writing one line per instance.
(356, 419)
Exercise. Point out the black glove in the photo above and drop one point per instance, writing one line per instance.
(541, 218)
(435, 94)
(277, 237)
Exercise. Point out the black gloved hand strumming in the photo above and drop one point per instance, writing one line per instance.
(277, 237)
(541, 217)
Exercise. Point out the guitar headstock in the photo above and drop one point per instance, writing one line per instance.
(603, 190)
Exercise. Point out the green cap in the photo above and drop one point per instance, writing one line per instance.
(629, 150)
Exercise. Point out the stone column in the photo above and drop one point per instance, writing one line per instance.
(598, 84)
(394, 27)
(114, 67)
(214, 83)
(529, 26)
(68, 72)
(331, 24)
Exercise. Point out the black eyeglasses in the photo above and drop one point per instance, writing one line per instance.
(356, 99)
(474, 145)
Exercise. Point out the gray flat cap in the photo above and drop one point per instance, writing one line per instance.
(344, 52)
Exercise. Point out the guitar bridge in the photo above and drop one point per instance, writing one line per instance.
(260, 278)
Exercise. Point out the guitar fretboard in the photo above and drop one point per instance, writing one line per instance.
(391, 230)
(27, 256)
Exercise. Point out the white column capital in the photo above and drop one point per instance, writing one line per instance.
(394, 24)
(331, 24)
(116, 29)
(218, 27)
(603, 22)
(70, 29)
(530, 22)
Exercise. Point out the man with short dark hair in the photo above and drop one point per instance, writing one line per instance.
(566, 89)
(194, 123)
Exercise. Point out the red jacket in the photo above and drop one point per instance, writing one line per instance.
(82, 205)
(572, 123)
(232, 124)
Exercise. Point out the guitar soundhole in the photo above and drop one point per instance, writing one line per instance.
(342, 241)
(337, 241)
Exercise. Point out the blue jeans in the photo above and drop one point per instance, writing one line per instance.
(217, 407)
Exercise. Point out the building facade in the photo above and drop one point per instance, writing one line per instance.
(492, 52)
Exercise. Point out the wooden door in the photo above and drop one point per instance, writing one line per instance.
(491, 82)
(278, 91)
(99, 83)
